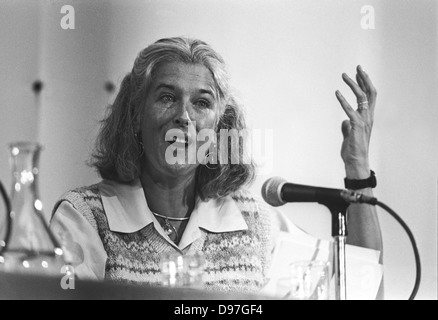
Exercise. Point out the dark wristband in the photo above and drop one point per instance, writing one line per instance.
(352, 184)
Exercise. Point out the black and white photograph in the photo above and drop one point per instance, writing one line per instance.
(238, 151)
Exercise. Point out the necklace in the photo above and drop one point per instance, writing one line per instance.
(168, 227)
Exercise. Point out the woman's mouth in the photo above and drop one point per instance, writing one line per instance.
(179, 142)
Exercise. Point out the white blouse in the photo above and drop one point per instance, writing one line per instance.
(127, 211)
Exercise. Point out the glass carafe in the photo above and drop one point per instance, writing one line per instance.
(30, 246)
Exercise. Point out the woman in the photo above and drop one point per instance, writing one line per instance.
(154, 201)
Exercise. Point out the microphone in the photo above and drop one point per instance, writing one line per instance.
(276, 191)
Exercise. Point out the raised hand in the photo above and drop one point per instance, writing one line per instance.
(357, 130)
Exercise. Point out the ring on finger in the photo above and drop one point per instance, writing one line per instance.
(363, 105)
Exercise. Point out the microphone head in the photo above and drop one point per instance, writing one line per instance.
(271, 191)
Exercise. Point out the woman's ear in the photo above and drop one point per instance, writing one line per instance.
(228, 118)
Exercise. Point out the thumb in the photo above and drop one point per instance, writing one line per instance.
(346, 127)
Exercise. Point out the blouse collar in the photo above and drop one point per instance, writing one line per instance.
(127, 212)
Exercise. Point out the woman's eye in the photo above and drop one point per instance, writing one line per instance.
(167, 99)
(203, 104)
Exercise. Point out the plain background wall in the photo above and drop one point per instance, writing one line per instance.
(286, 59)
(19, 66)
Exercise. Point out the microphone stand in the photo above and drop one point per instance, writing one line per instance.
(339, 234)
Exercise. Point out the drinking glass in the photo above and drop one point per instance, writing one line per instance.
(307, 280)
(310, 280)
(182, 270)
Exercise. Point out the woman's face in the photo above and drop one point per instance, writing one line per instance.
(181, 98)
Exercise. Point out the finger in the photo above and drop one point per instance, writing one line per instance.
(358, 92)
(362, 86)
(360, 83)
(346, 127)
(366, 78)
(370, 89)
(351, 113)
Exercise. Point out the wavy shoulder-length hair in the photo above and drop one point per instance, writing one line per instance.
(116, 152)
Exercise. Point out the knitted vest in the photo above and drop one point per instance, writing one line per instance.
(234, 261)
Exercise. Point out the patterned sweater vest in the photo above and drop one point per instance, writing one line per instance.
(234, 261)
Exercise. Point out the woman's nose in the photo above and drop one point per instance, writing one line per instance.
(182, 118)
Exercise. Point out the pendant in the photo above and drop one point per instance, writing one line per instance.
(170, 230)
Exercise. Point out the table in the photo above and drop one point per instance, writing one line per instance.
(30, 287)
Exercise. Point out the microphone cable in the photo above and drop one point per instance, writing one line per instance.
(272, 189)
(414, 247)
